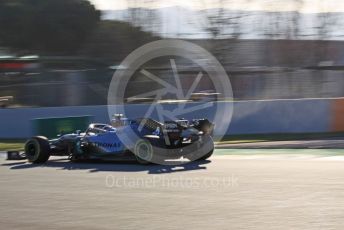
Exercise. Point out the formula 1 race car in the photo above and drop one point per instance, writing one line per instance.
(144, 140)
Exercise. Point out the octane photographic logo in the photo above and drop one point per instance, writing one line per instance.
(218, 111)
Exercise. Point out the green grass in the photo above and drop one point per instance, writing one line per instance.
(12, 145)
(252, 138)
(250, 152)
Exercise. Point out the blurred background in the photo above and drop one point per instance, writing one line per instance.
(64, 52)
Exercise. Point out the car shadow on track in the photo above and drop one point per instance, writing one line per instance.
(100, 166)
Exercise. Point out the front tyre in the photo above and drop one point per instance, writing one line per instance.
(37, 150)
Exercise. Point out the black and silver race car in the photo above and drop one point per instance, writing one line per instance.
(145, 140)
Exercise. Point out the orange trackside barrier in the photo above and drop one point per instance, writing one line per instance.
(337, 124)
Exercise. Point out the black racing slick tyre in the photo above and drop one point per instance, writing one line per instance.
(206, 156)
(204, 150)
(144, 152)
(37, 150)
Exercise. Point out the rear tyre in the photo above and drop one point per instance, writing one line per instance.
(37, 150)
(143, 152)
(204, 150)
(206, 156)
(208, 146)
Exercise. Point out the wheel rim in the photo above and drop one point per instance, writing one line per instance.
(144, 151)
(31, 149)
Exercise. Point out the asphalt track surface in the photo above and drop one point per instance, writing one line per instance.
(236, 189)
